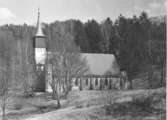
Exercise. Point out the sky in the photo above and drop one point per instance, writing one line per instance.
(25, 11)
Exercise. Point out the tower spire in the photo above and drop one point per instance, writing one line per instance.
(39, 32)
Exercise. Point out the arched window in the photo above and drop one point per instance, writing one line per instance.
(76, 81)
(106, 81)
(87, 81)
(96, 81)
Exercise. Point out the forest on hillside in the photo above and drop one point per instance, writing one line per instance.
(136, 42)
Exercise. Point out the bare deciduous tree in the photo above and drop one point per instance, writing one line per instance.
(66, 64)
(27, 70)
(5, 60)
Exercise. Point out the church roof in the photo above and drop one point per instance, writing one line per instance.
(39, 32)
(101, 64)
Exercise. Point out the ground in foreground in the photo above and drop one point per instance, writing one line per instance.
(108, 105)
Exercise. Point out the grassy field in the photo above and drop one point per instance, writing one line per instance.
(92, 105)
(20, 107)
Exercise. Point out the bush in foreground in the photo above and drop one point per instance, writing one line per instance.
(139, 106)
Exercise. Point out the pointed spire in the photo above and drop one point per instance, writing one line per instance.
(39, 32)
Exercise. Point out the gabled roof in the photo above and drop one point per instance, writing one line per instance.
(101, 64)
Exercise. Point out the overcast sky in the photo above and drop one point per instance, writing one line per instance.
(20, 11)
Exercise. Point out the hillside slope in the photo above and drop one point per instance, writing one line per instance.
(92, 105)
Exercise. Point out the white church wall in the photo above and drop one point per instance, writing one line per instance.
(40, 55)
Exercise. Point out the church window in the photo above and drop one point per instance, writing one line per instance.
(87, 81)
(106, 81)
(96, 81)
(76, 81)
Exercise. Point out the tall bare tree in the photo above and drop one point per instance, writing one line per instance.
(27, 63)
(6, 40)
(66, 64)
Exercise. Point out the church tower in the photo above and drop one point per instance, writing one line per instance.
(40, 56)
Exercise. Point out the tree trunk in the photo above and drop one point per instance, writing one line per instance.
(53, 86)
(66, 87)
(129, 78)
(53, 95)
(150, 76)
(130, 86)
(3, 113)
(58, 102)
(58, 86)
(3, 109)
(162, 77)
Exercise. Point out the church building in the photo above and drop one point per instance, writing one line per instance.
(99, 65)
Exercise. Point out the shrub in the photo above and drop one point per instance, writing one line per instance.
(117, 109)
(79, 106)
(82, 105)
(141, 105)
(29, 94)
(148, 100)
(18, 106)
(108, 109)
(144, 102)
